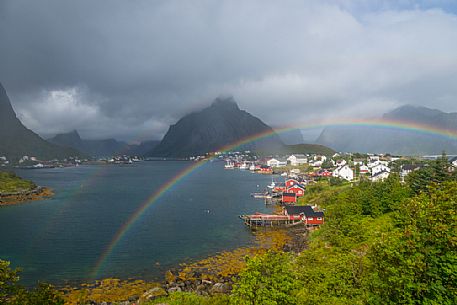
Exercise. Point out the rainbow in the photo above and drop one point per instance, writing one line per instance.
(374, 123)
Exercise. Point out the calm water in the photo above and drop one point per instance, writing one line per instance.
(61, 239)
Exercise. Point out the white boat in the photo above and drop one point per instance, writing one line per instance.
(252, 167)
(229, 165)
(272, 185)
(244, 166)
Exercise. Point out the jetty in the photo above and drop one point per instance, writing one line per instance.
(269, 220)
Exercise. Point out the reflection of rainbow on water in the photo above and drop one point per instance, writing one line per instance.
(377, 123)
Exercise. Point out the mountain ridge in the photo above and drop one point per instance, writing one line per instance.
(103, 147)
(396, 141)
(16, 140)
(214, 127)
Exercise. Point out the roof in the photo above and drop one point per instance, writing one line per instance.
(288, 194)
(305, 209)
(380, 173)
(299, 155)
(297, 185)
(411, 167)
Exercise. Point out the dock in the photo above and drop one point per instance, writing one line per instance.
(269, 220)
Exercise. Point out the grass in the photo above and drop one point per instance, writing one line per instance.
(10, 183)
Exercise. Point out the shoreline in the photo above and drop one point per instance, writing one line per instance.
(38, 193)
(211, 275)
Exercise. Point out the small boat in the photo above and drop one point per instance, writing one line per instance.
(229, 165)
(272, 185)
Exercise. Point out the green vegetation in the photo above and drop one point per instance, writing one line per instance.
(382, 243)
(314, 149)
(10, 183)
(11, 293)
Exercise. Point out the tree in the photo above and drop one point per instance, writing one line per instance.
(268, 280)
(11, 293)
(417, 262)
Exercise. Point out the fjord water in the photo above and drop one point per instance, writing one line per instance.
(61, 239)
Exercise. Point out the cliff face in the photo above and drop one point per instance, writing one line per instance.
(396, 141)
(221, 124)
(16, 140)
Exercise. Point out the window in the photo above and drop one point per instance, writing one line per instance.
(310, 218)
(319, 218)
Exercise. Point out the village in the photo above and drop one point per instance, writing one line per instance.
(295, 172)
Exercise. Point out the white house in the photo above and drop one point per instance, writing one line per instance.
(379, 168)
(454, 162)
(380, 176)
(297, 159)
(358, 162)
(363, 169)
(344, 172)
(340, 163)
(273, 162)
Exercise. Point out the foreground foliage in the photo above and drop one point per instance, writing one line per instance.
(383, 243)
(11, 293)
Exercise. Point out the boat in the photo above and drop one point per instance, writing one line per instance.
(229, 165)
(272, 185)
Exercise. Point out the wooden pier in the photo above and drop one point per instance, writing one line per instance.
(267, 220)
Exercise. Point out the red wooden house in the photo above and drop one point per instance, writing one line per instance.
(265, 169)
(279, 188)
(296, 189)
(291, 182)
(289, 198)
(310, 217)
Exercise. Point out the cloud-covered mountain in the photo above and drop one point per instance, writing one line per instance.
(102, 148)
(17, 141)
(396, 141)
(214, 127)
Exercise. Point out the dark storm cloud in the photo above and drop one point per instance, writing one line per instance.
(128, 69)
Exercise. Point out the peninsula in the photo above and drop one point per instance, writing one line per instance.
(14, 189)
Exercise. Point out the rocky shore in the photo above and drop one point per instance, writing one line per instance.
(210, 276)
(37, 193)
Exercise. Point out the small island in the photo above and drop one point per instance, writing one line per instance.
(14, 189)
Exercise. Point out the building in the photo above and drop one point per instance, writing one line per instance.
(364, 169)
(297, 159)
(409, 168)
(265, 169)
(291, 182)
(380, 176)
(344, 172)
(309, 215)
(277, 162)
(289, 198)
(379, 168)
(297, 190)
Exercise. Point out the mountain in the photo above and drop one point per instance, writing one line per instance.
(102, 148)
(214, 127)
(17, 141)
(396, 141)
(143, 148)
(291, 137)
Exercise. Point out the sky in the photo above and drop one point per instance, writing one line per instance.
(129, 69)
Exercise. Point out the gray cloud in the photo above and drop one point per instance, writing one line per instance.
(128, 69)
